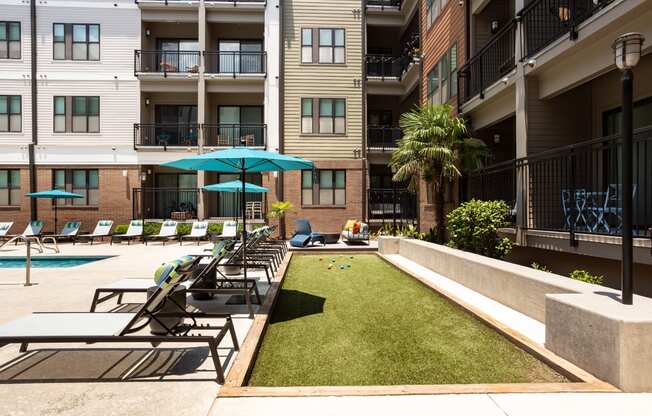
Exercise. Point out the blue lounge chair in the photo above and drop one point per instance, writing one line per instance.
(303, 235)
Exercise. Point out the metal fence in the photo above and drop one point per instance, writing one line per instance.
(235, 63)
(234, 135)
(166, 62)
(386, 65)
(576, 188)
(392, 206)
(543, 21)
(493, 61)
(166, 135)
(383, 139)
(164, 203)
(385, 3)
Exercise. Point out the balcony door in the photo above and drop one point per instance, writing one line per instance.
(176, 125)
(176, 193)
(175, 56)
(240, 56)
(241, 125)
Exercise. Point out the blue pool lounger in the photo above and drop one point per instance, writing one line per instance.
(304, 235)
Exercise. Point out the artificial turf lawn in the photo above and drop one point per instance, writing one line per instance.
(372, 324)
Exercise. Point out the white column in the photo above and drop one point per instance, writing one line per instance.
(201, 103)
(272, 81)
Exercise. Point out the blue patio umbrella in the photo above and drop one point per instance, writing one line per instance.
(54, 194)
(236, 186)
(241, 160)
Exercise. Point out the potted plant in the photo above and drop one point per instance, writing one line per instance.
(278, 211)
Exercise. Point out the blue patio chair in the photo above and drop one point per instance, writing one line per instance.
(612, 208)
(303, 235)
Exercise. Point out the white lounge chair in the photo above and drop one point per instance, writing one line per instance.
(229, 230)
(167, 232)
(69, 231)
(93, 327)
(32, 232)
(102, 229)
(199, 231)
(134, 231)
(4, 230)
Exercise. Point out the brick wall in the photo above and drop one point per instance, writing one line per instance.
(115, 200)
(326, 219)
(447, 29)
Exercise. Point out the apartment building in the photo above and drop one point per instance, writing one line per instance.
(123, 86)
(541, 88)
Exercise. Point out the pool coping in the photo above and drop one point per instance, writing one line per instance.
(236, 378)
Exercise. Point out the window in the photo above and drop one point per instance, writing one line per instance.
(84, 182)
(442, 78)
(323, 187)
(324, 46)
(11, 119)
(306, 46)
(434, 9)
(79, 42)
(306, 116)
(10, 193)
(76, 114)
(323, 115)
(9, 40)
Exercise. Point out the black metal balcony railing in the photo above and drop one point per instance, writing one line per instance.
(166, 62)
(166, 135)
(383, 138)
(235, 63)
(493, 61)
(385, 3)
(387, 65)
(235, 135)
(396, 206)
(164, 203)
(543, 21)
(576, 188)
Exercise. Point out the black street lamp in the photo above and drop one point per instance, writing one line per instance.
(627, 49)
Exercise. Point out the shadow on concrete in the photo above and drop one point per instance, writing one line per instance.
(294, 304)
(107, 365)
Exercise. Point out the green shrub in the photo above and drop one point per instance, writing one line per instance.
(184, 228)
(586, 277)
(120, 229)
(541, 267)
(151, 228)
(409, 231)
(473, 226)
(214, 228)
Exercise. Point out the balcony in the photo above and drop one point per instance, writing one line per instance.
(574, 189)
(386, 66)
(235, 135)
(544, 21)
(395, 206)
(234, 64)
(165, 203)
(173, 4)
(495, 60)
(393, 4)
(383, 139)
(165, 135)
(164, 63)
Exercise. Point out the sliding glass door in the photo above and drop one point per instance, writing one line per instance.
(176, 125)
(240, 56)
(242, 125)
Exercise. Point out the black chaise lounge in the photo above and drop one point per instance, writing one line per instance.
(97, 327)
(223, 285)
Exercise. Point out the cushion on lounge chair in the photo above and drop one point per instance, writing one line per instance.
(300, 240)
(161, 271)
(349, 225)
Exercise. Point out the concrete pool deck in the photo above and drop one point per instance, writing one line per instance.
(81, 380)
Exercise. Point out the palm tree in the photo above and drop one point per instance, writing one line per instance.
(433, 140)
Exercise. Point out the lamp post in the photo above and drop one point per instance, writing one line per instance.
(627, 50)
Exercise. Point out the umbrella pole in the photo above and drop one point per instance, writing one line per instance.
(244, 222)
(55, 216)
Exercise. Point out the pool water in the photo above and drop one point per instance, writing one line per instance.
(49, 261)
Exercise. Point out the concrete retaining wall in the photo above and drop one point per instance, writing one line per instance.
(521, 288)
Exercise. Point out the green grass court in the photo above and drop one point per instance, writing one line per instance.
(371, 324)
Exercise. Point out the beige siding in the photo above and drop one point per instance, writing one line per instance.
(313, 80)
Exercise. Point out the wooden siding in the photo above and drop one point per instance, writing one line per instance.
(325, 80)
(447, 29)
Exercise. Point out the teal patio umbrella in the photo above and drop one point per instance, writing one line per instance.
(241, 160)
(236, 187)
(54, 194)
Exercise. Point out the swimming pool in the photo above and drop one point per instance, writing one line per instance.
(15, 262)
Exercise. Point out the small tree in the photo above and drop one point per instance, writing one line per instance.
(279, 209)
(473, 226)
(435, 147)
